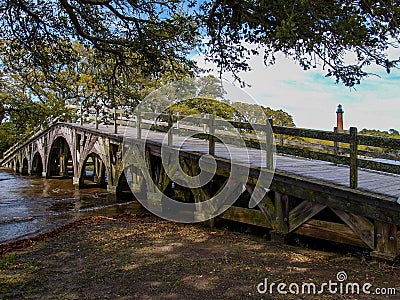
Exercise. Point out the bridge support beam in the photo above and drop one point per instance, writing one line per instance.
(77, 182)
(64, 159)
(112, 189)
(386, 246)
(98, 171)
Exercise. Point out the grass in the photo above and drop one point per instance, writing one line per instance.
(8, 260)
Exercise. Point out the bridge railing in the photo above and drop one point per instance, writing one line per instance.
(341, 148)
(36, 131)
(344, 148)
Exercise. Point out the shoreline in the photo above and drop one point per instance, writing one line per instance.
(28, 241)
(139, 256)
(109, 211)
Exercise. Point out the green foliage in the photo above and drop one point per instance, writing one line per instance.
(238, 111)
(198, 106)
(312, 32)
(391, 133)
(255, 113)
(9, 135)
(145, 35)
(153, 36)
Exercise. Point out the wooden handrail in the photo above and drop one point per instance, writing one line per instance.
(166, 121)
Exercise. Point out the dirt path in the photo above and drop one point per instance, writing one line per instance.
(141, 257)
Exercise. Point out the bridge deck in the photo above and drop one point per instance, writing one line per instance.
(384, 185)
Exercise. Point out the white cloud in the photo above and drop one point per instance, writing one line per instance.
(312, 99)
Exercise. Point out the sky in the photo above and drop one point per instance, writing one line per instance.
(312, 99)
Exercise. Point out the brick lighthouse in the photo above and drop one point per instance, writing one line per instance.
(339, 117)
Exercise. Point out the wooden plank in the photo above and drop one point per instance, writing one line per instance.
(246, 215)
(360, 225)
(326, 178)
(379, 166)
(310, 133)
(312, 154)
(353, 158)
(281, 221)
(332, 176)
(395, 192)
(330, 231)
(211, 138)
(376, 141)
(386, 241)
(266, 205)
(379, 184)
(366, 177)
(302, 213)
(355, 201)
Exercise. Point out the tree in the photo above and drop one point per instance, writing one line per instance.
(311, 32)
(150, 34)
(155, 35)
(199, 105)
(393, 133)
(255, 113)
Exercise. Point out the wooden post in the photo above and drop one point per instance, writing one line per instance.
(280, 223)
(170, 128)
(335, 145)
(211, 144)
(269, 145)
(81, 111)
(204, 125)
(138, 125)
(386, 241)
(97, 119)
(281, 135)
(178, 114)
(353, 158)
(115, 121)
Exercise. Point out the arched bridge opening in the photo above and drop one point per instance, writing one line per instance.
(94, 171)
(60, 162)
(131, 179)
(17, 166)
(25, 167)
(37, 165)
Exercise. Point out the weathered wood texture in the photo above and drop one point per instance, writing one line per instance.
(365, 201)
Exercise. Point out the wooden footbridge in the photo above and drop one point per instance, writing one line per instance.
(345, 189)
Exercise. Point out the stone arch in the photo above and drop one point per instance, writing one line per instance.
(59, 158)
(25, 167)
(37, 164)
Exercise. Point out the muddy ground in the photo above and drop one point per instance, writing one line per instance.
(141, 257)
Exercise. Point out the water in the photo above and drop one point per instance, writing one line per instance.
(33, 205)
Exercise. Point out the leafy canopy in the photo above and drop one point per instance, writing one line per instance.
(155, 35)
(312, 32)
